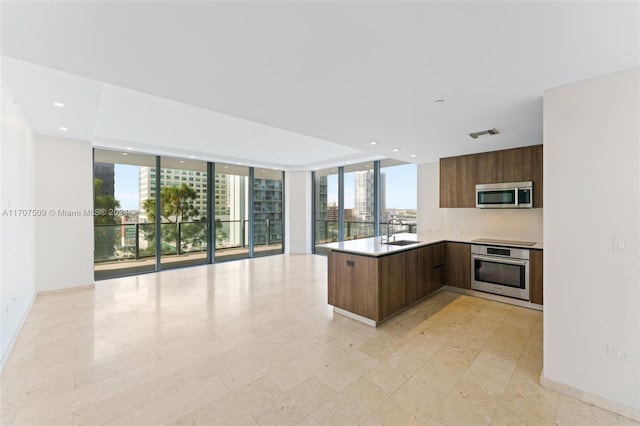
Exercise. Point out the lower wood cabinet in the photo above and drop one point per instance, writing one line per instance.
(459, 265)
(379, 287)
(535, 276)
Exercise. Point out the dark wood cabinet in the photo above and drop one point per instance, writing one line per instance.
(379, 287)
(353, 283)
(535, 276)
(435, 270)
(392, 281)
(459, 175)
(458, 265)
(458, 181)
(489, 167)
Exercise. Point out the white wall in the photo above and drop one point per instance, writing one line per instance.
(298, 212)
(64, 244)
(592, 183)
(431, 218)
(467, 224)
(17, 246)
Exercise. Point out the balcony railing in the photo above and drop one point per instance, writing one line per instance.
(138, 241)
(326, 231)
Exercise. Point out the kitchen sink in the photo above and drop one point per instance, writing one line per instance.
(401, 242)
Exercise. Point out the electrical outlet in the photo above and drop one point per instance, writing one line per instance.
(617, 353)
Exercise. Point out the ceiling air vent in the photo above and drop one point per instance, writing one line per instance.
(490, 132)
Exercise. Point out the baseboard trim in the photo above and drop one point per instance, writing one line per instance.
(14, 338)
(590, 398)
(67, 290)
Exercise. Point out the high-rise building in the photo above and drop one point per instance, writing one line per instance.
(105, 172)
(175, 177)
(364, 195)
(267, 211)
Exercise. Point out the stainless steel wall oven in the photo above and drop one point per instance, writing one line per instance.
(500, 270)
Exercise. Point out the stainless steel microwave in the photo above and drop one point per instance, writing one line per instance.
(513, 195)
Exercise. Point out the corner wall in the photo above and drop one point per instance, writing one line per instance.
(298, 212)
(64, 237)
(17, 245)
(592, 288)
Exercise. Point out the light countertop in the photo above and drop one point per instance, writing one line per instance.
(375, 246)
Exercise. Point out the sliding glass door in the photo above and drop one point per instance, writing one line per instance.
(124, 238)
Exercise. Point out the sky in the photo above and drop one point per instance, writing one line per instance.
(126, 186)
(401, 187)
(400, 183)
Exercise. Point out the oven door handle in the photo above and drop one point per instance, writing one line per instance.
(501, 260)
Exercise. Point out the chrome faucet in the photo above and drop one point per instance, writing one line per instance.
(393, 218)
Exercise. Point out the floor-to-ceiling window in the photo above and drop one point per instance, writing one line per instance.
(398, 195)
(183, 212)
(355, 193)
(326, 207)
(231, 205)
(359, 201)
(268, 193)
(200, 212)
(124, 238)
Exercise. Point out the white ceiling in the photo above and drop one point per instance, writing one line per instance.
(304, 84)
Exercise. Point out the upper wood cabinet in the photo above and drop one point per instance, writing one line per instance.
(458, 181)
(459, 175)
(488, 168)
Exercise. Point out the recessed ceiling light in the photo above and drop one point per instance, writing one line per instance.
(129, 148)
(414, 155)
(239, 164)
(192, 157)
(395, 150)
(348, 162)
(374, 143)
(58, 104)
(64, 129)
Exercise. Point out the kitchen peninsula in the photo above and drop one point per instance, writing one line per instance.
(373, 279)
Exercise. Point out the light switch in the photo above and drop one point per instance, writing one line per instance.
(619, 244)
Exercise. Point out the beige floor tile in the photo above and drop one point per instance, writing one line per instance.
(173, 406)
(467, 404)
(572, 412)
(525, 403)
(391, 373)
(490, 371)
(413, 403)
(352, 405)
(347, 370)
(296, 405)
(255, 341)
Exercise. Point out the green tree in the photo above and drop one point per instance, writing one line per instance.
(176, 206)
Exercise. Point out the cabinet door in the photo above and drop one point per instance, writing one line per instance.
(535, 276)
(459, 265)
(414, 267)
(517, 164)
(458, 181)
(353, 284)
(537, 176)
(438, 267)
(392, 276)
(489, 167)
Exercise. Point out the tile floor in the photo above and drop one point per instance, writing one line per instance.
(254, 342)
